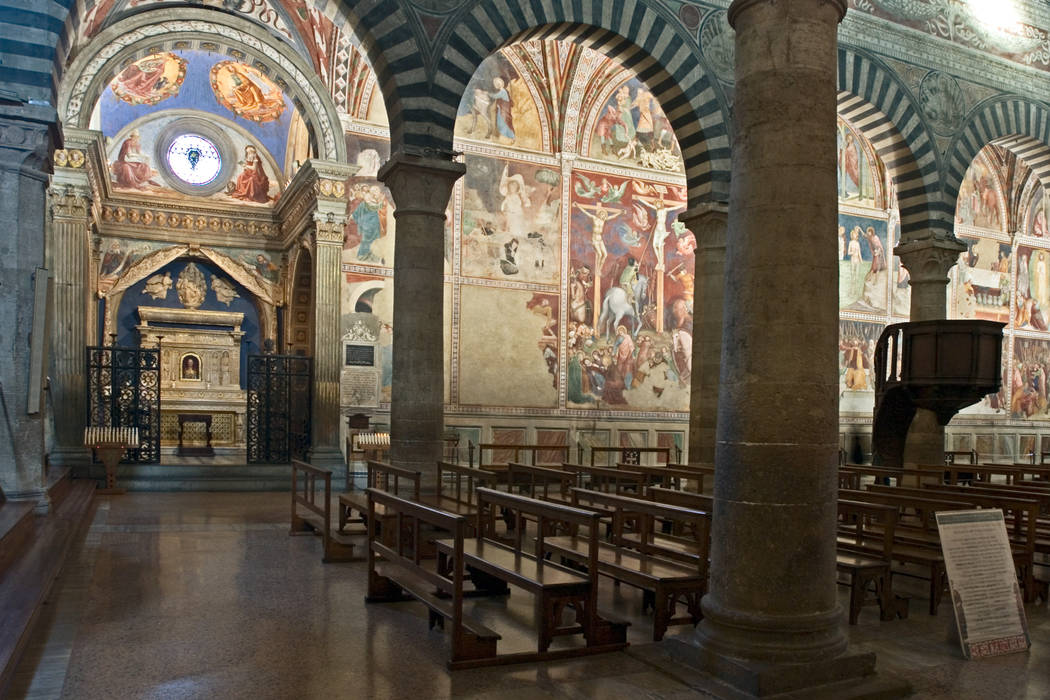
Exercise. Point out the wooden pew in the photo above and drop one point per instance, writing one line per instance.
(312, 511)
(915, 535)
(394, 571)
(643, 561)
(556, 587)
(559, 452)
(707, 472)
(543, 483)
(457, 488)
(865, 555)
(606, 480)
(382, 476)
(626, 454)
(674, 477)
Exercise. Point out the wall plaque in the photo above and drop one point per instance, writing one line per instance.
(359, 388)
(360, 355)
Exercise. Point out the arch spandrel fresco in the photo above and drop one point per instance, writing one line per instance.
(859, 179)
(864, 273)
(629, 127)
(982, 279)
(511, 221)
(499, 107)
(1035, 216)
(980, 201)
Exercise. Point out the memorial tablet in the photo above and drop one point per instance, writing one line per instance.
(988, 605)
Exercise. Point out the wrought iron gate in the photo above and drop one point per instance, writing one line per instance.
(123, 390)
(279, 400)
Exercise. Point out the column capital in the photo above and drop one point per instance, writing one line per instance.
(739, 6)
(28, 137)
(328, 228)
(929, 259)
(70, 201)
(708, 223)
(420, 185)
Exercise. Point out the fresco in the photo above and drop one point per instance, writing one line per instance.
(263, 265)
(1028, 393)
(511, 221)
(857, 340)
(150, 80)
(900, 279)
(498, 107)
(133, 167)
(979, 202)
(1032, 307)
(863, 269)
(368, 236)
(857, 178)
(246, 92)
(631, 128)
(1036, 218)
(196, 93)
(118, 256)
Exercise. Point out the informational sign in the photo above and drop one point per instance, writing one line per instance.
(988, 605)
(359, 387)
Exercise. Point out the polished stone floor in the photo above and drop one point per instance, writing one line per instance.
(204, 595)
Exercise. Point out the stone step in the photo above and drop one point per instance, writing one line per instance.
(202, 477)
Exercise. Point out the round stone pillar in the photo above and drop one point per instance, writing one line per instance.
(928, 261)
(772, 622)
(708, 223)
(421, 188)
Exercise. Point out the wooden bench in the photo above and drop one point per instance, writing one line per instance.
(867, 565)
(675, 477)
(382, 476)
(606, 480)
(706, 471)
(513, 453)
(632, 455)
(457, 488)
(312, 511)
(916, 541)
(543, 483)
(641, 559)
(400, 569)
(494, 565)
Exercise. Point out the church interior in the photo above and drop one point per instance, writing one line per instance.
(519, 242)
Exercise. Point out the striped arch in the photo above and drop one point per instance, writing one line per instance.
(642, 38)
(32, 52)
(875, 100)
(1014, 123)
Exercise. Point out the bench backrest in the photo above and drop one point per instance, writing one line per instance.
(396, 480)
(685, 499)
(662, 454)
(908, 506)
(692, 527)
(538, 481)
(501, 453)
(857, 517)
(305, 481)
(547, 515)
(460, 483)
(605, 479)
(667, 476)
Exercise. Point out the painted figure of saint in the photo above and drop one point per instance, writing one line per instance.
(252, 185)
(190, 369)
(140, 80)
(515, 199)
(132, 169)
(369, 224)
(878, 252)
(500, 120)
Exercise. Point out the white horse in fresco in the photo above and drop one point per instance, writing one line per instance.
(616, 306)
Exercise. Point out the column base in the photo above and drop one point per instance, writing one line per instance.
(327, 457)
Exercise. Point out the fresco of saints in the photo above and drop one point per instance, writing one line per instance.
(251, 185)
(150, 80)
(500, 120)
(246, 92)
(369, 222)
(131, 170)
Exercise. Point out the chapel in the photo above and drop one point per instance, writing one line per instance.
(793, 252)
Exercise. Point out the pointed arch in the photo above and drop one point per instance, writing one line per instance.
(875, 100)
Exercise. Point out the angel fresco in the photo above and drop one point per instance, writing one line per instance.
(150, 80)
(246, 92)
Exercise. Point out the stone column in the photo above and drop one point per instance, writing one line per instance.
(928, 261)
(69, 254)
(708, 224)
(28, 135)
(421, 188)
(327, 350)
(772, 622)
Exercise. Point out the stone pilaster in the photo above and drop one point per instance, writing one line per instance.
(28, 135)
(928, 261)
(327, 273)
(772, 622)
(69, 254)
(708, 223)
(421, 188)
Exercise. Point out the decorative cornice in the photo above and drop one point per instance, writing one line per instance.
(317, 189)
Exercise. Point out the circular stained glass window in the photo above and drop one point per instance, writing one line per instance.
(194, 159)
